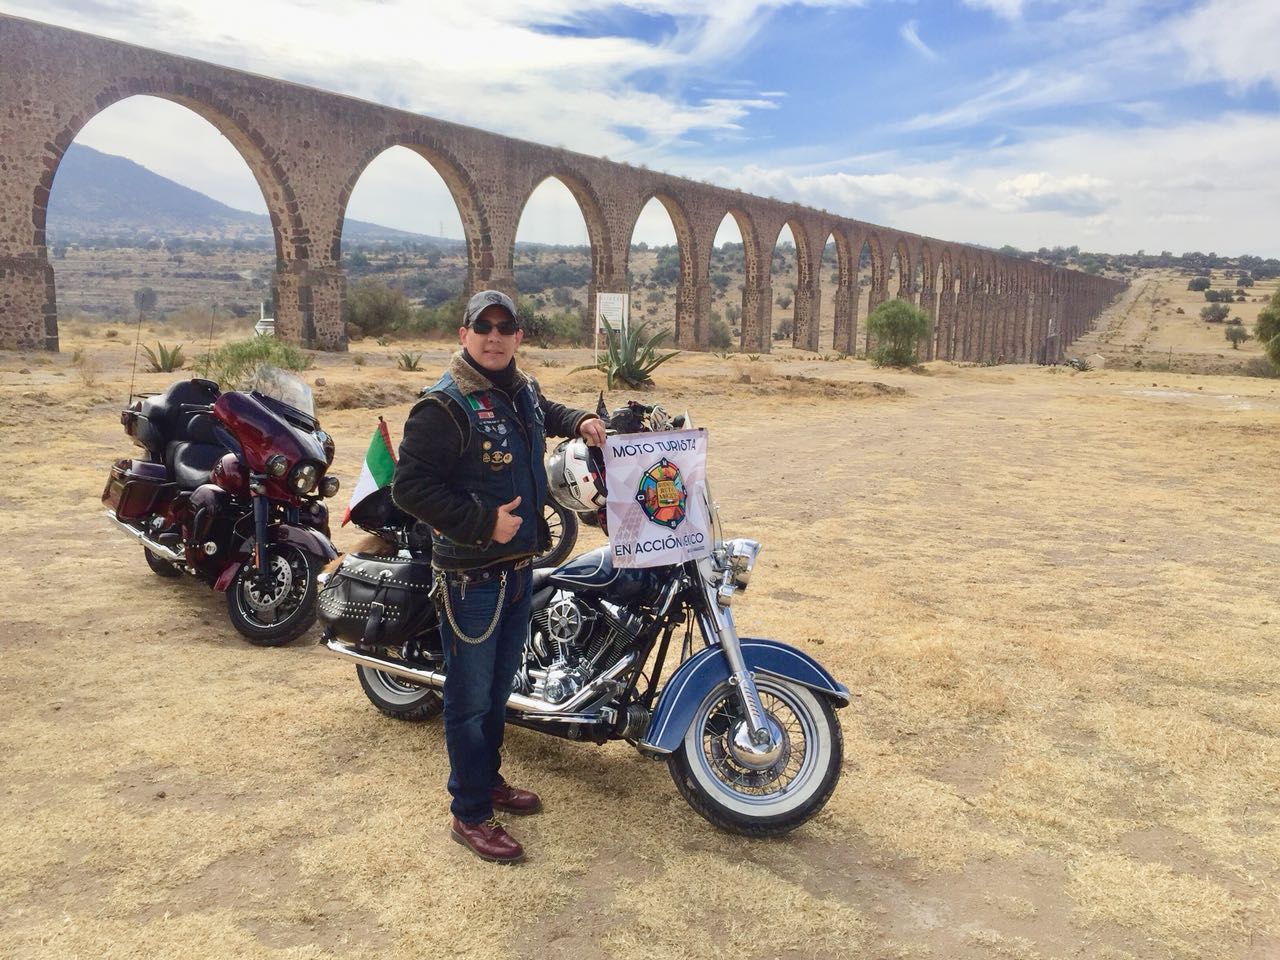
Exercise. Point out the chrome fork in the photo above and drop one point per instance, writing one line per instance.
(717, 622)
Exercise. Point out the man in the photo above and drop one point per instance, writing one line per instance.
(471, 467)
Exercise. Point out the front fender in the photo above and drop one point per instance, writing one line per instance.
(304, 538)
(701, 674)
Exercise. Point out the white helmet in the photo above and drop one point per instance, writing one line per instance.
(571, 479)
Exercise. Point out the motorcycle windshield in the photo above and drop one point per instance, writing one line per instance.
(283, 387)
(265, 426)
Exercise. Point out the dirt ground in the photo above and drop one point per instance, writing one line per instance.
(1049, 591)
(1148, 332)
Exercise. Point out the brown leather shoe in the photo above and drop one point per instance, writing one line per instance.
(488, 841)
(511, 799)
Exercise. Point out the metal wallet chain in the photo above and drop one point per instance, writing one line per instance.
(453, 623)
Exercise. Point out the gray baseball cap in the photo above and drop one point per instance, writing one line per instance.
(485, 299)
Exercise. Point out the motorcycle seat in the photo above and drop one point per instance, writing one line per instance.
(165, 412)
(190, 463)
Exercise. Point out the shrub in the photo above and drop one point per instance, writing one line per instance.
(898, 327)
(1198, 283)
(545, 330)
(1214, 313)
(162, 359)
(377, 308)
(235, 361)
(1237, 335)
(1261, 367)
(442, 320)
(719, 337)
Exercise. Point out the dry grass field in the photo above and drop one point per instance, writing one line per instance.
(1051, 593)
(1148, 332)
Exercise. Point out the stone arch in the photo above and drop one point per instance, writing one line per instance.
(750, 243)
(680, 221)
(461, 186)
(945, 289)
(751, 295)
(804, 263)
(291, 241)
(589, 206)
(687, 331)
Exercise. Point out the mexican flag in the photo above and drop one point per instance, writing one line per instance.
(379, 467)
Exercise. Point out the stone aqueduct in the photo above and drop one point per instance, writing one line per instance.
(307, 148)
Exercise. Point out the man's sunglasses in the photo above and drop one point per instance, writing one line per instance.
(483, 327)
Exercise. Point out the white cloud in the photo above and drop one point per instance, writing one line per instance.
(1233, 41)
(1081, 194)
(486, 63)
(909, 33)
(1005, 94)
(1009, 9)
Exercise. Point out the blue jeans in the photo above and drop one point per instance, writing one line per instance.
(477, 685)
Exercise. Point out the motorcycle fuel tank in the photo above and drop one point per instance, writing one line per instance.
(595, 573)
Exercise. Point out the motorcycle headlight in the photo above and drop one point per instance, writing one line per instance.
(277, 465)
(329, 487)
(304, 478)
(742, 557)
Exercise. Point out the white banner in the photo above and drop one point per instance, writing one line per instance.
(657, 507)
(611, 311)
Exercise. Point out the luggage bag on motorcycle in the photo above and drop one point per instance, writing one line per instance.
(134, 487)
(378, 601)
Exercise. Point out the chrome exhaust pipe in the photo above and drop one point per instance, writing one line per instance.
(517, 701)
(159, 549)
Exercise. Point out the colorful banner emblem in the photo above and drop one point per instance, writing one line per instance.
(657, 508)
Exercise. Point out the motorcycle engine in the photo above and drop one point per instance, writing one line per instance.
(571, 642)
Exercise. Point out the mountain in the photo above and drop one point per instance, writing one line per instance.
(97, 194)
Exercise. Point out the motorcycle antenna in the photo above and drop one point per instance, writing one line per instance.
(137, 339)
(208, 356)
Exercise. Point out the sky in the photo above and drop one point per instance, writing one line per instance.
(1114, 125)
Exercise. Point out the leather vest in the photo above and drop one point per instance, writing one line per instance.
(501, 460)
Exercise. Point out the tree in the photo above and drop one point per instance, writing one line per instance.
(1237, 335)
(898, 327)
(1267, 328)
(145, 300)
(1198, 283)
(1244, 280)
(1214, 313)
(784, 300)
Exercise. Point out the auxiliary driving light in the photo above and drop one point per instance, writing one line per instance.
(329, 487)
(277, 465)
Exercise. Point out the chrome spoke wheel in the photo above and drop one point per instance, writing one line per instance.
(760, 789)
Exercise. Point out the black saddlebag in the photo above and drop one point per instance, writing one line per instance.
(378, 601)
(135, 488)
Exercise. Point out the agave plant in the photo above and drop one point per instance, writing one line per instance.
(631, 358)
(164, 359)
(409, 361)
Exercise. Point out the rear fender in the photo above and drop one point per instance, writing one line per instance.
(701, 674)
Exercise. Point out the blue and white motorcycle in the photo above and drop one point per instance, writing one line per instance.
(747, 726)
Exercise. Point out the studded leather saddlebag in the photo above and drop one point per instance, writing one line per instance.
(378, 601)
